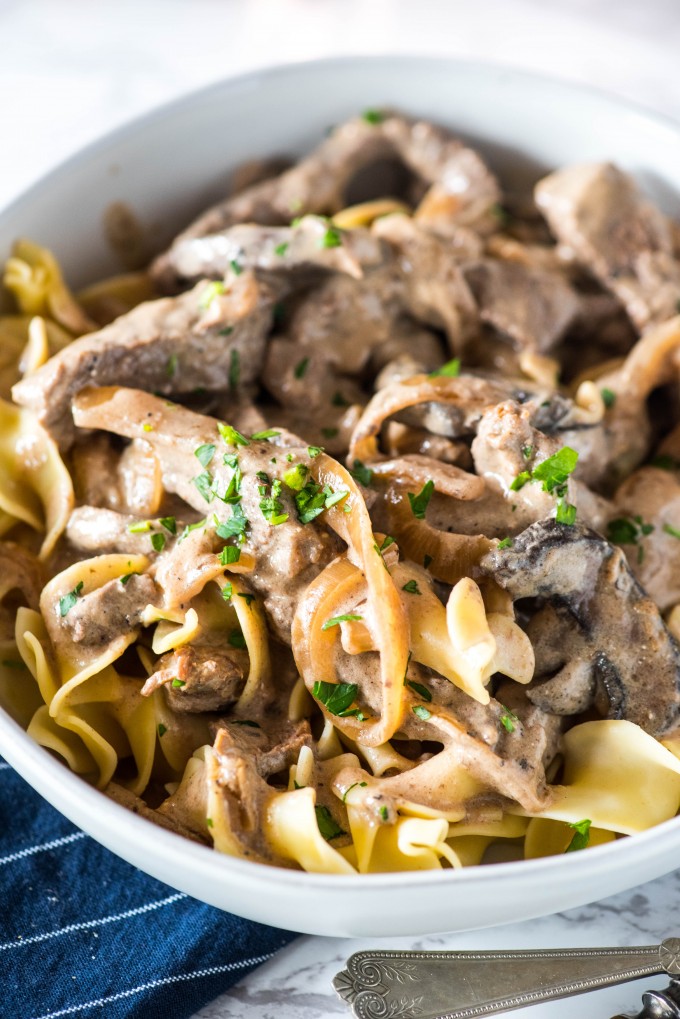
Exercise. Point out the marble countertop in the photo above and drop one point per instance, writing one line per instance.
(74, 71)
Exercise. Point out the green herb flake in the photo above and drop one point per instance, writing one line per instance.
(230, 555)
(231, 436)
(338, 400)
(554, 471)
(418, 688)
(178, 684)
(427, 559)
(608, 397)
(520, 481)
(411, 587)
(205, 453)
(361, 473)
(234, 369)
(127, 577)
(581, 836)
(236, 267)
(169, 523)
(281, 249)
(209, 822)
(301, 367)
(228, 591)
(314, 451)
(421, 712)
(331, 238)
(349, 617)
(329, 433)
(508, 719)
(328, 826)
(385, 543)
(673, 531)
(384, 813)
(171, 366)
(420, 502)
(373, 117)
(268, 433)
(226, 331)
(348, 790)
(140, 527)
(505, 543)
(665, 463)
(158, 542)
(162, 729)
(565, 512)
(247, 597)
(296, 477)
(527, 452)
(235, 527)
(450, 370)
(213, 290)
(628, 530)
(67, 602)
(236, 639)
(203, 483)
(191, 527)
(337, 697)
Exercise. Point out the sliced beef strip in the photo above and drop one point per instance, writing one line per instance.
(615, 628)
(321, 183)
(173, 345)
(534, 307)
(111, 610)
(274, 746)
(288, 555)
(200, 677)
(598, 212)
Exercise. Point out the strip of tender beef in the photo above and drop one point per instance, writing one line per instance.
(200, 677)
(598, 212)
(609, 626)
(322, 183)
(289, 554)
(173, 345)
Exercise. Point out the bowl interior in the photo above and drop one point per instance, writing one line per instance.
(165, 168)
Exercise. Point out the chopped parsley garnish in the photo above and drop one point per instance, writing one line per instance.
(231, 436)
(385, 543)
(212, 291)
(628, 530)
(236, 639)
(227, 331)
(384, 813)
(313, 500)
(418, 688)
(247, 597)
(449, 370)
(67, 602)
(281, 249)
(349, 617)
(228, 591)
(420, 502)
(337, 697)
(427, 559)
(162, 729)
(565, 512)
(348, 790)
(169, 523)
(205, 453)
(581, 836)
(608, 397)
(296, 477)
(209, 822)
(421, 712)
(301, 368)
(229, 555)
(520, 481)
(411, 587)
(140, 527)
(361, 473)
(271, 506)
(127, 577)
(204, 482)
(338, 400)
(331, 238)
(158, 542)
(328, 826)
(527, 452)
(235, 526)
(191, 527)
(673, 531)
(505, 543)
(171, 366)
(268, 433)
(236, 267)
(314, 451)
(329, 433)
(508, 719)
(553, 474)
(665, 462)
(234, 369)
(373, 116)
(178, 683)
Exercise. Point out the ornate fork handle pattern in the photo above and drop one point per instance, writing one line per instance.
(468, 985)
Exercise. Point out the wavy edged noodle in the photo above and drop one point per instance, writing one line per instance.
(106, 300)
(33, 275)
(387, 617)
(411, 843)
(652, 361)
(17, 351)
(253, 625)
(365, 213)
(35, 486)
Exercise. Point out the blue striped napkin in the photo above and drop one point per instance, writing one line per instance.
(84, 934)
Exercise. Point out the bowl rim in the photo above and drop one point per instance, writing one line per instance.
(78, 796)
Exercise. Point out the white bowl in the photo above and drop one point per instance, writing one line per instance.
(169, 165)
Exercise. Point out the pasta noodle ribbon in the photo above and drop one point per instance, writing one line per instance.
(33, 275)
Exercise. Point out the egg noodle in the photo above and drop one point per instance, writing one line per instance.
(347, 536)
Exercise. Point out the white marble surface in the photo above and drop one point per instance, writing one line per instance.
(70, 71)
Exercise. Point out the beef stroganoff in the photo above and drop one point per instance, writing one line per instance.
(347, 536)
